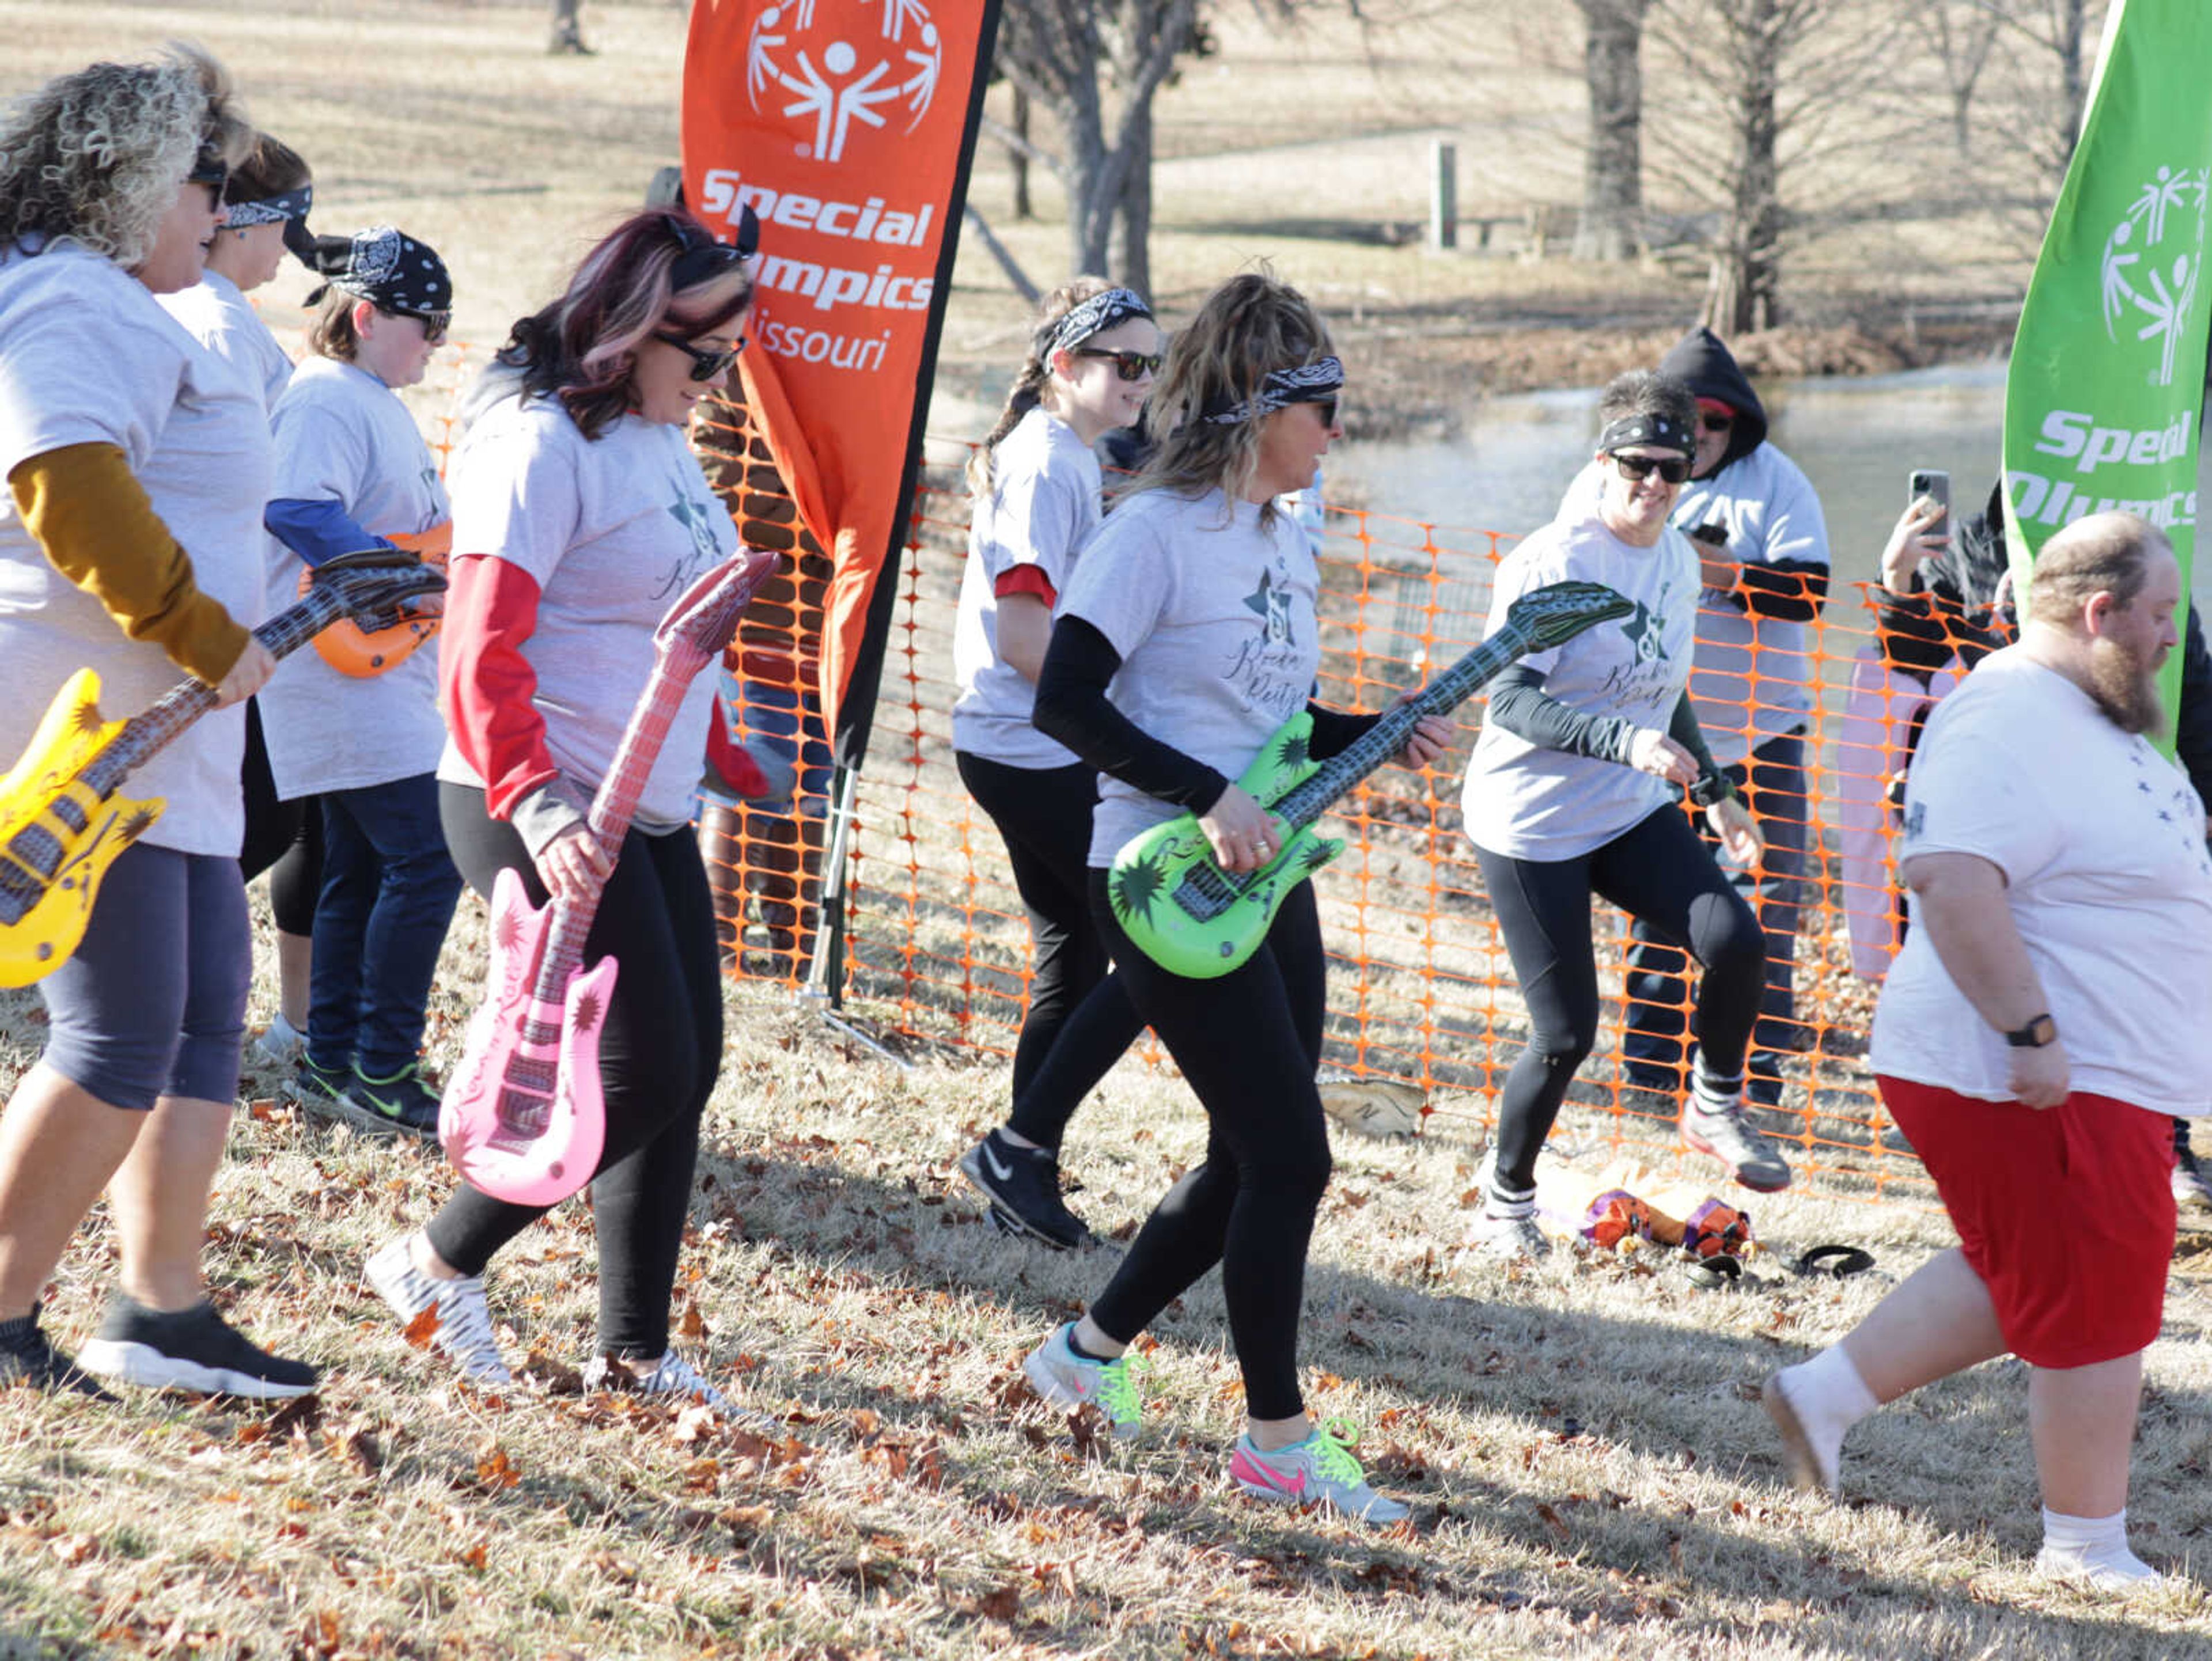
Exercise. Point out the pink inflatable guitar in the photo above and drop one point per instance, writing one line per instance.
(522, 1118)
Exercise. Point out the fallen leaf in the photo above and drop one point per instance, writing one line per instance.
(424, 1327)
(1553, 1521)
(495, 1470)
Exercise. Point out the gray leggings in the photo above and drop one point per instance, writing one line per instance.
(153, 1004)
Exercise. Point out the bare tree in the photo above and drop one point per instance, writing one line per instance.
(1959, 37)
(1097, 65)
(2061, 29)
(1612, 223)
(1755, 91)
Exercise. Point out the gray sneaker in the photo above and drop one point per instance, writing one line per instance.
(464, 1327)
(1507, 1237)
(1725, 1135)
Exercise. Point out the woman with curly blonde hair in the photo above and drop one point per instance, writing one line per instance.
(1038, 490)
(1186, 638)
(136, 464)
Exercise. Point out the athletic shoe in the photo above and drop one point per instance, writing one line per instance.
(1023, 1183)
(1757, 1163)
(26, 1358)
(401, 1103)
(1807, 1471)
(192, 1348)
(464, 1328)
(1064, 1379)
(1318, 1471)
(317, 1087)
(674, 1376)
(1507, 1237)
(280, 1042)
(2123, 1572)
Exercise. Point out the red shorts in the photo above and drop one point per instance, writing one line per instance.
(2066, 1215)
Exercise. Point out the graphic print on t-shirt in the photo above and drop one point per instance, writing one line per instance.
(1648, 670)
(698, 521)
(1259, 670)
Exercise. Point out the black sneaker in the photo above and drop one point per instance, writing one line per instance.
(400, 1103)
(315, 1087)
(188, 1349)
(1023, 1185)
(26, 1358)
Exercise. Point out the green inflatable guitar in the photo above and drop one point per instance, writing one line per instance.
(1193, 919)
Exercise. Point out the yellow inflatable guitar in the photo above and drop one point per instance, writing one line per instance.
(61, 823)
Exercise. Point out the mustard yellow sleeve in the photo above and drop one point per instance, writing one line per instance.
(96, 524)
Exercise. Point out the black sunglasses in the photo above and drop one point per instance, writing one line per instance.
(1326, 409)
(1129, 365)
(705, 364)
(1672, 468)
(435, 324)
(1717, 423)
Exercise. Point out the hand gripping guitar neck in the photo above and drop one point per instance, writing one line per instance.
(62, 824)
(1195, 919)
(523, 1118)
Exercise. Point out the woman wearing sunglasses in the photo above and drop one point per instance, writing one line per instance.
(358, 742)
(137, 463)
(1185, 639)
(579, 515)
(1037, 487)
(1574, 789)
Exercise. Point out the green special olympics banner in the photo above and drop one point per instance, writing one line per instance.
(2105, 391)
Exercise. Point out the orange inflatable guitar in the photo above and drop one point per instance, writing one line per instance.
(352, 649)
(61, 823)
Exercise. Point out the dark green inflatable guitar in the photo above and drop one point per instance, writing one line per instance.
(1194, 919)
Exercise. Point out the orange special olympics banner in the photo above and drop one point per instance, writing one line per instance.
(846, 126)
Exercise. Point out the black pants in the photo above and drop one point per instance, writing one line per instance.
(1080, 1020)
(659, 1049)
(1656, 870)
(1248, 1045)
(282, 838)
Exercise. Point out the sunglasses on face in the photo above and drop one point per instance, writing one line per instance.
(705, 364)
(1717, 423)
(1129, 365)
(1674, 470)
(1326, 409)
(435, 324)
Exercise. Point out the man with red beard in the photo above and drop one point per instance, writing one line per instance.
(2043, 1019)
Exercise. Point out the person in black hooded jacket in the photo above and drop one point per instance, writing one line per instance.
(1763, 543)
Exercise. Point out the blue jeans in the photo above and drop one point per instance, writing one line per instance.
(1771, 781)
(389, 889)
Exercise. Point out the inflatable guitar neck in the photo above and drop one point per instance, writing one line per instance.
(523, 1118)
(62, 824)
(1195, 919)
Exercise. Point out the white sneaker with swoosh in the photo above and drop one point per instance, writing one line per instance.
(1320, 1470)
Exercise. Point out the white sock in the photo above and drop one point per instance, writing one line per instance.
(1499, 1200)
(2092, 1549)
(1710, 1093)
(1828, 1397)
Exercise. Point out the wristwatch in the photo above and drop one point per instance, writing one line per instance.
(2038, 1032)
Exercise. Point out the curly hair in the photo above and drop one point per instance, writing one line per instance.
(582, 348)
(1248, 328)
(97, 156)
(1035, 376)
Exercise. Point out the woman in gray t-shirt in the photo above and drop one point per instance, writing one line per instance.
(1573, 790)
(1184, 642)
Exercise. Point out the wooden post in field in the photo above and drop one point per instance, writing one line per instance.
(1443, 196)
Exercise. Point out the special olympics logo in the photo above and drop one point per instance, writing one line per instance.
(2153, 267)
(832, 71)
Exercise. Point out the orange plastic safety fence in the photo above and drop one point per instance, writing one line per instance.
(1420, 988)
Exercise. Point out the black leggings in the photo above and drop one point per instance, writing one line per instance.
(659, 1049)
(1248, 1045)
(1080, 1020)
(284, 839)
(1656, 870)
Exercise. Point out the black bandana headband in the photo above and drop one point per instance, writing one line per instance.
(1310, 382)
(386, 268)
(289, 205)
(1650, 427)
(1093, 316)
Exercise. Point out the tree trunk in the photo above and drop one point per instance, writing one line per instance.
(1745, 289)
(1611, 227)
(1018, 159)
(1130, 258)
(2071, 23)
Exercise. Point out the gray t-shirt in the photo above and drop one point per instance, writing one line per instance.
(1043, 506)
(613, 529)
(1213, 614)
(224, 321)
(343, 436)
(88, 357)
(1547, 804)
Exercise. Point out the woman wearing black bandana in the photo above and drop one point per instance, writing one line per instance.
(1574, 790)
(1185, 639)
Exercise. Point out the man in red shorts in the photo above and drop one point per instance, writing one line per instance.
(2044, 1019)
